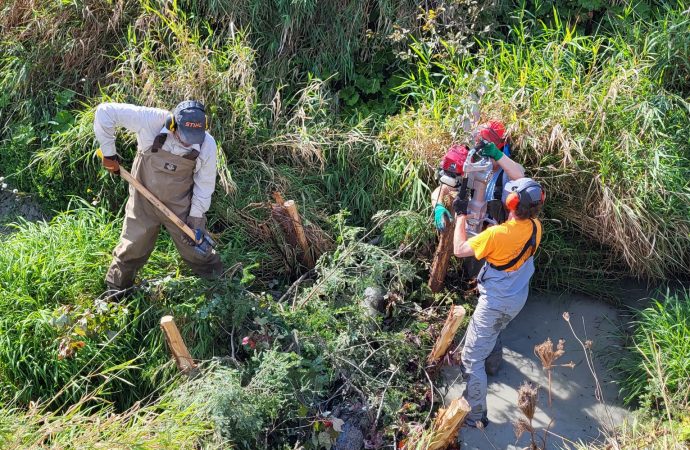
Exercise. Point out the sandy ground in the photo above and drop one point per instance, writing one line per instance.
(576, 415)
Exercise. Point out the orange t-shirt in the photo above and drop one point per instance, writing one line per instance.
(499, 244)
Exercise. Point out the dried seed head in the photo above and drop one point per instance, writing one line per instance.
(547, 354)
(561, 345)
(560, 349)
(527, 399)
(566, 316)
(520, 426)
(588, 344)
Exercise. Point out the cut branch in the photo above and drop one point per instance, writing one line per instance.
(453, 321)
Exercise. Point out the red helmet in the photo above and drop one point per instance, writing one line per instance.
(454, 159)
(493, 131)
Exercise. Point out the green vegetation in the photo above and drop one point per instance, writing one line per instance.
(345, 107)
(595, 116)
(658, 369)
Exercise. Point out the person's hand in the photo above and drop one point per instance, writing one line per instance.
(440, 214)
(489, 150)
(112, 164)
(460, 206)
(198, 225)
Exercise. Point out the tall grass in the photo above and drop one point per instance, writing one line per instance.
(165, 423)
(591, 116)
(56, 336)
(657, 369)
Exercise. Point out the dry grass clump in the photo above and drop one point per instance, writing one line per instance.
(527, 404)
(548, 355)
(64, 41)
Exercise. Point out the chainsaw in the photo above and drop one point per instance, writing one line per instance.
(203, 243)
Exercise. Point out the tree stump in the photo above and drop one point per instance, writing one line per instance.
(453, 321)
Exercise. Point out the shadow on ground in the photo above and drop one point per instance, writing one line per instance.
(576, 415)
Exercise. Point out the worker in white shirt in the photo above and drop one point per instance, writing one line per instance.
(176, 161)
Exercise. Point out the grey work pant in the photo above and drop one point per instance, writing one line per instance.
(502, 296)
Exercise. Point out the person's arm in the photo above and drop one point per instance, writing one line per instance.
(204, 178)
(109, 116)
(461, 248)
(511, 168)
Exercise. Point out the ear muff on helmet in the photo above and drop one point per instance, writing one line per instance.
(170, 123)
(513, 199)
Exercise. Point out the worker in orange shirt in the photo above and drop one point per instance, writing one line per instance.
(503, 281)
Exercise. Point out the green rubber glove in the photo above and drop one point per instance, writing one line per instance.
(439, 212)
(490, 150)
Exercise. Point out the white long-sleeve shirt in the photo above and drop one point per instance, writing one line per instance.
(148, 123)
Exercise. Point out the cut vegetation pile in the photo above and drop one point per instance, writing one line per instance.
(345, 108)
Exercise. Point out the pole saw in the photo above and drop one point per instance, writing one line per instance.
(203, 243)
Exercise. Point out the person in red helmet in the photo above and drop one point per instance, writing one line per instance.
(493, 143)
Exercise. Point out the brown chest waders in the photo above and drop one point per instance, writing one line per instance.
(171, 179)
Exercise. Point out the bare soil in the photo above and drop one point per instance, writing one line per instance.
(578, 412)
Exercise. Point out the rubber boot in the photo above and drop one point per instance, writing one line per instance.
(115, 294)
(493, 362)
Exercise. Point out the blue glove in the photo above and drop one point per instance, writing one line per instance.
(439, 212)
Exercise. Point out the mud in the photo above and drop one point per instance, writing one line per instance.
(578, 412)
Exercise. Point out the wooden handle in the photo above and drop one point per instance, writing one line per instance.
(154, 201)
(157, 203)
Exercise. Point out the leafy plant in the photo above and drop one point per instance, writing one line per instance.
(657, 369)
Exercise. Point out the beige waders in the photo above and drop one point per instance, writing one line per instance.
(171, 179)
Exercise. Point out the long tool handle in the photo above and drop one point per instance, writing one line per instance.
(154, 201)
(157, 203)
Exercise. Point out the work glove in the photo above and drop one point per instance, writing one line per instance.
(112, 164)
(198, 225)
(460, 206)
(489, 150)
(440, 212)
